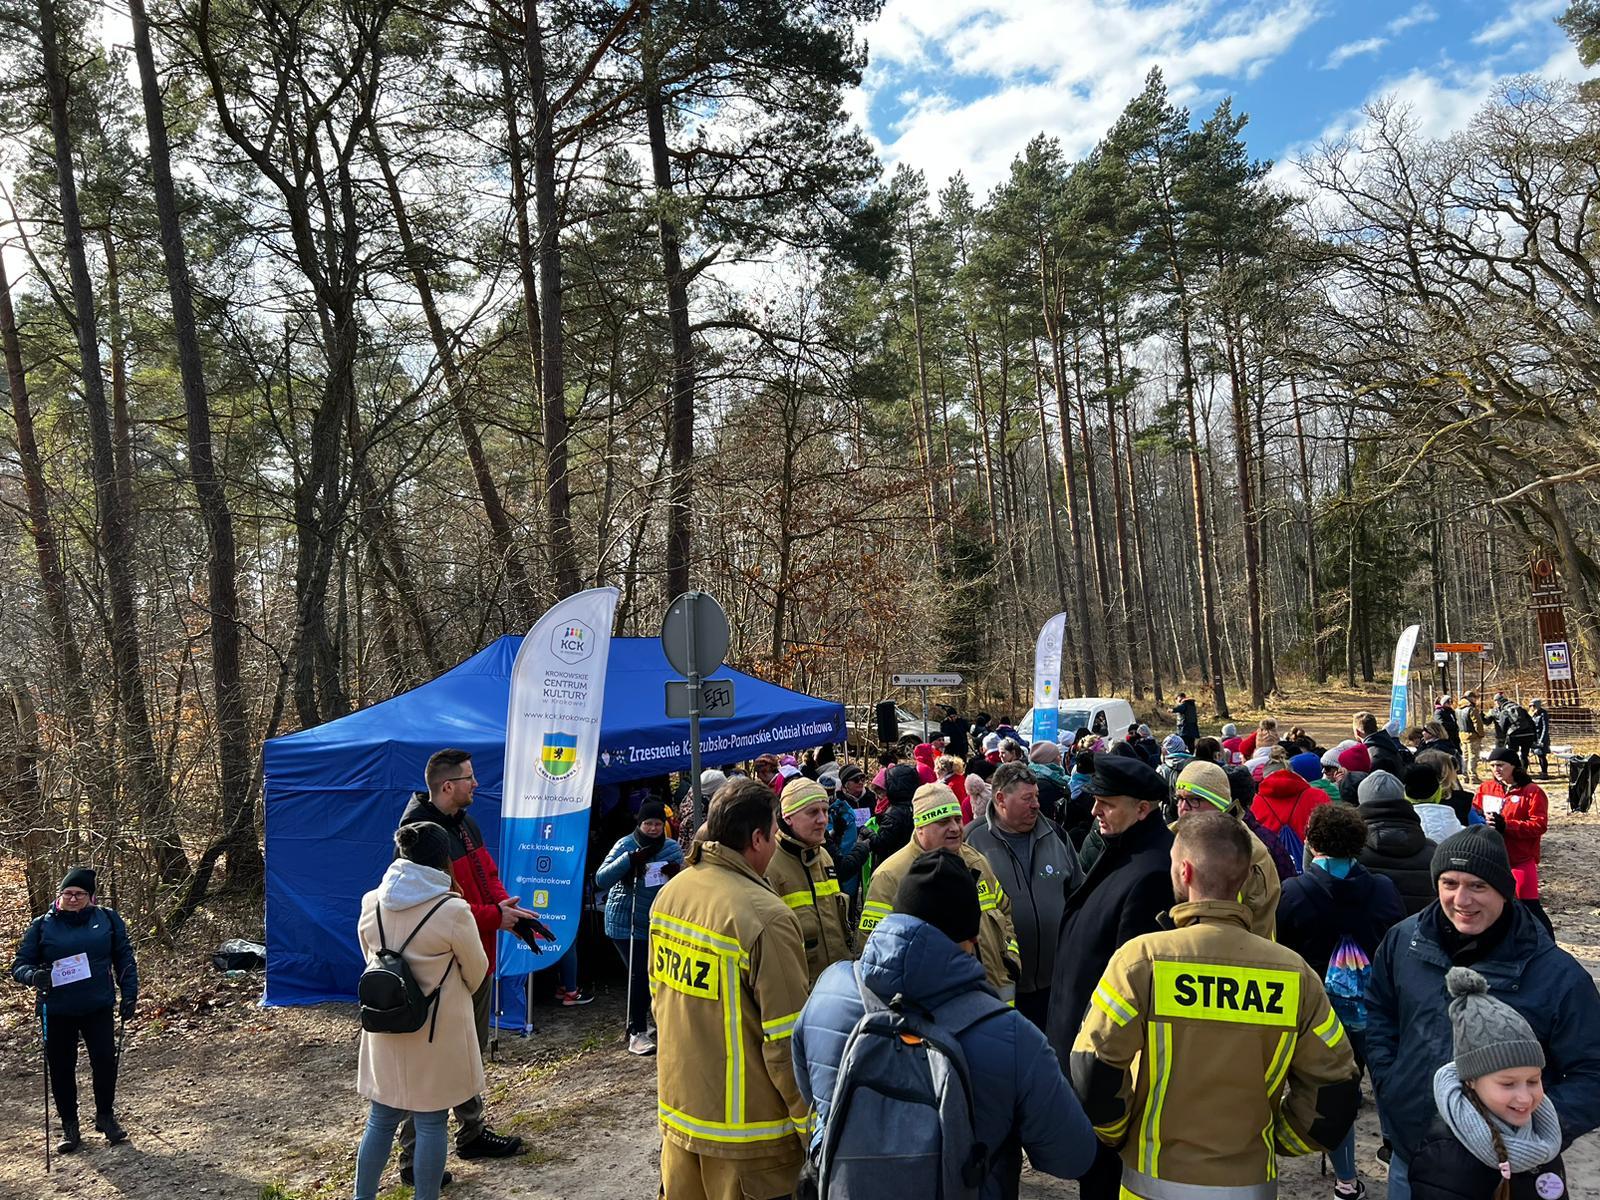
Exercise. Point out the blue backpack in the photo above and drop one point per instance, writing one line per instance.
(1289, 841)
(901, 1119)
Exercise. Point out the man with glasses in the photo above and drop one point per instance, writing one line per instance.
(1204, 787)
(451, 784)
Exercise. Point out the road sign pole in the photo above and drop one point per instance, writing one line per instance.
(924, 692)
(694, 718)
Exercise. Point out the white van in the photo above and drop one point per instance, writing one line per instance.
(1108, 716)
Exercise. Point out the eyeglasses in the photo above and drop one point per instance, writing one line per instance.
(74, 894)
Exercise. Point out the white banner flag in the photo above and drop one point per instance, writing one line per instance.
(558, 685)
(1047, 679)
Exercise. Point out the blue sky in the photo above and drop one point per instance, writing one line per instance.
(963, 84)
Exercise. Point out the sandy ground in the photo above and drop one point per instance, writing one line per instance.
(226, 1099)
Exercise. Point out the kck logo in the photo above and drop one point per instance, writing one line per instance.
(572, 642)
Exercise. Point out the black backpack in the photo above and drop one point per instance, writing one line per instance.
(391, 999)
(1521, 720)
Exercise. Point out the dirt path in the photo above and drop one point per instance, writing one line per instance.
(228, 1100)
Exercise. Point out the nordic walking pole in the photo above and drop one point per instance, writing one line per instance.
(44, 1054)
(633, 933)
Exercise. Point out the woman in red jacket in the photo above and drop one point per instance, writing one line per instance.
(1519, 809)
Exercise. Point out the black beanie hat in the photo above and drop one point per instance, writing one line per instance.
(1478, 850)
(940, 889)
(1422, 783)
(424, 843)
(651, 810)
(901, 783)
(78, 877)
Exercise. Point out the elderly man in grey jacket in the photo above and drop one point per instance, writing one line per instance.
(1037, 867)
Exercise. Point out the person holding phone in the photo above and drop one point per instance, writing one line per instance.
(1518, 808)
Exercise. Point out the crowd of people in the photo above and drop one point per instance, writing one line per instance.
(1151, 965)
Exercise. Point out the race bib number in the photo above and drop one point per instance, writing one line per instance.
(655, 874)
(1217, 992)
(69, 970)
(686, 969)
(1493, 804)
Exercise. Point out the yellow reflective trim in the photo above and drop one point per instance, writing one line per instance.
(872, 912)
(1330, 1031)
(1114, 1006)
(1113, 1131)
(733, 1042)
(1290, 1140)
(690, 932)
(1280, 1063)
(828, 887)
(1159, 1036)
(779, 1027)
(797, 899)
(726, 1131)
(941, 813)
(1221, 992)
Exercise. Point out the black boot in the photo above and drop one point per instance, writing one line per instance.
(106, 1123)
(71, 1139)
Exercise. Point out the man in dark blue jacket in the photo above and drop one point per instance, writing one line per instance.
(1477, 923)
(77, 957)
(926, 952)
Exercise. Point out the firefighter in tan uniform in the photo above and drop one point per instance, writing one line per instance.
(802, 874)
(728, 970)
(1203, 787)
(1239, 1056)
(936, 821)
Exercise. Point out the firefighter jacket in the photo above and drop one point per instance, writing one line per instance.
(804, 878)
(728, 975)
(997, 935)
(1208, 1051)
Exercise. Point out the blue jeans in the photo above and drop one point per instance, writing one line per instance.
(1399, 1179)
(1343, 1158)
(373, 1153)
(568, 967)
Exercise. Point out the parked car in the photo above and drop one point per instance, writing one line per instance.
(861, 722)
(1109, 716)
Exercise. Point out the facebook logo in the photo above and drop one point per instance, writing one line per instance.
(549, 830)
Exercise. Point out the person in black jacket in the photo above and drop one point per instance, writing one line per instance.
(1338, 898)
(77, 956)
(1396, 845)
(1127, 858)
(894, 824)
(1541, 737)
(1387, 753)
(1188, 713)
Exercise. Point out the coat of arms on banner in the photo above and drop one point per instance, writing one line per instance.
(559, 754)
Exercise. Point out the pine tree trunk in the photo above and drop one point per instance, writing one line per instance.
(241, 841)
(152, 790)
(524, 604)
(1124, 566)
(525, 264)
(558, 503)
(1091, 674)
(1319, 666)
(1244, 483)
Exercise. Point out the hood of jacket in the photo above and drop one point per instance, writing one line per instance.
(1354, 891)
(1281, 791)
(1393, 828)
(1050, 771)
(924, 753)
(906, 956)
(901, 783)
(407, 884)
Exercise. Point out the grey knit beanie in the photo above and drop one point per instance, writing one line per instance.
(1490, 1035)
(1380, 785)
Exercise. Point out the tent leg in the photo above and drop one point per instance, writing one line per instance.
(494, 1021)
(527, 1005)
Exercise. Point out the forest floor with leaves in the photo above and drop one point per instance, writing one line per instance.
(225, 1099)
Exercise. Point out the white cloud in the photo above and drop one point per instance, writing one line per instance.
(1066, 68)
(1343, 54)
(1534, 15)
(1420, 14)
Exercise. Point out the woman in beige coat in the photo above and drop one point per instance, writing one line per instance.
(428, 1072)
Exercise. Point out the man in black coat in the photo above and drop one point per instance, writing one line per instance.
(1128, 886)
(1188, 719)
(1396, 845)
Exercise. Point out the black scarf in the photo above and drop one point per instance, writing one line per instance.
(1465, 949)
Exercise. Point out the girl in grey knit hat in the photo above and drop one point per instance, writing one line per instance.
(1497, 1136)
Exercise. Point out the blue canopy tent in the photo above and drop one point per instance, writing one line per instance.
(335, 793)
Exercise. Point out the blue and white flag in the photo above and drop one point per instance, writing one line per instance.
(1402, 678)
(552, 748)
(1047, 679)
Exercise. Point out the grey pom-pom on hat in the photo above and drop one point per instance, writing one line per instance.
(1490, 1035)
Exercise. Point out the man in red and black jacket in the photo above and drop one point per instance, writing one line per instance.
(451, 784)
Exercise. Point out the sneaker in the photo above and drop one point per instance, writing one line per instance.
(641, 1044)
(574, 998)
(490, 1144)
(409, 1178)
(71, 1139)
(106, 1123)
(1355, 1190)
